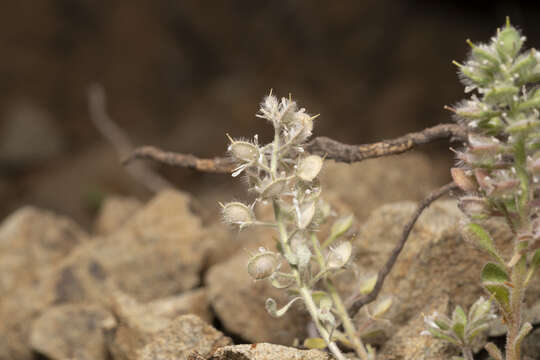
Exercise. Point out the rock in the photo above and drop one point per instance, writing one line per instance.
(28, 135)
(239, 301)
(31, 242)
(72, 331)
(365, 186)
(265, 351)
(157, 253)
(114, 212)
(137, 322)
(186, 334)
(409, 344)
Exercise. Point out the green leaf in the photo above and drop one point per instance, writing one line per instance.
(459, 316)
(483, 240)
(439, 335)
(459, 330)
(315, 343)
(382, 307)
(479, 309)
(368, 285)
(501, 294)
(494, 273)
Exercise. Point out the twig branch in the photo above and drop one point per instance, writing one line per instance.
(354, 153)
(355, 303)
(332, 149)
(215, 165)
(97, 107)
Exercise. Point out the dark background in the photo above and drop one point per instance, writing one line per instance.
(180, 74)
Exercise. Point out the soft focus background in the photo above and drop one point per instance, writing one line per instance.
(180, 74)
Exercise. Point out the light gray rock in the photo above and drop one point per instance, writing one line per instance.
(138, 322)
(264, 351)
(185, 335)
(31, 242)
(72, 331)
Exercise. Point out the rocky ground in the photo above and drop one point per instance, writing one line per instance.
(156, 281)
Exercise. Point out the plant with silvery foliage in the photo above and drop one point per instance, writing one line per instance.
(461, 329)
(498, 170)
(282, 174)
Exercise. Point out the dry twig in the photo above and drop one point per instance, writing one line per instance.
(355, 303)
(330, 148)
(97, 108)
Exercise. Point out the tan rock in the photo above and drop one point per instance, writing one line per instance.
(264, 351)
(114, 212)
(72, 331)
(185, 335)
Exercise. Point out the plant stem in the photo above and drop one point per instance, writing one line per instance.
(350, 330)
(341, 310)
(467, 353)
(312, 309)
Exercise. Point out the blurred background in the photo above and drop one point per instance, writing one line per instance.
(179, 74)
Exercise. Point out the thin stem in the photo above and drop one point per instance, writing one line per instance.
(341, 310)
(467, 353)
(312, 309)
(348, 325)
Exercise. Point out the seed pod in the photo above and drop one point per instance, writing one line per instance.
(305, 215)
(235, 213)
(273, 188)
(263, 265)
(309, 167)
(243, 150)
(339, 255)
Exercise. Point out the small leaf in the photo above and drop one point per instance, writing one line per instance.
(368, 285)
(315, 343)
(501, 294)
(382, 307)
(479, 309)
(439, 335)
(494, 273)
(483, 240)
(318, 295)
(459, 316)
(459, 329)
(494, 351)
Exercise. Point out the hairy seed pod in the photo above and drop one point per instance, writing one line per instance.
(244, 150)
(309, 167)
(263, 265)
(274, 188)
(339, 255)
(237, 213)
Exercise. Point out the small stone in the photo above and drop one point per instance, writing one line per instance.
(264, 351)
